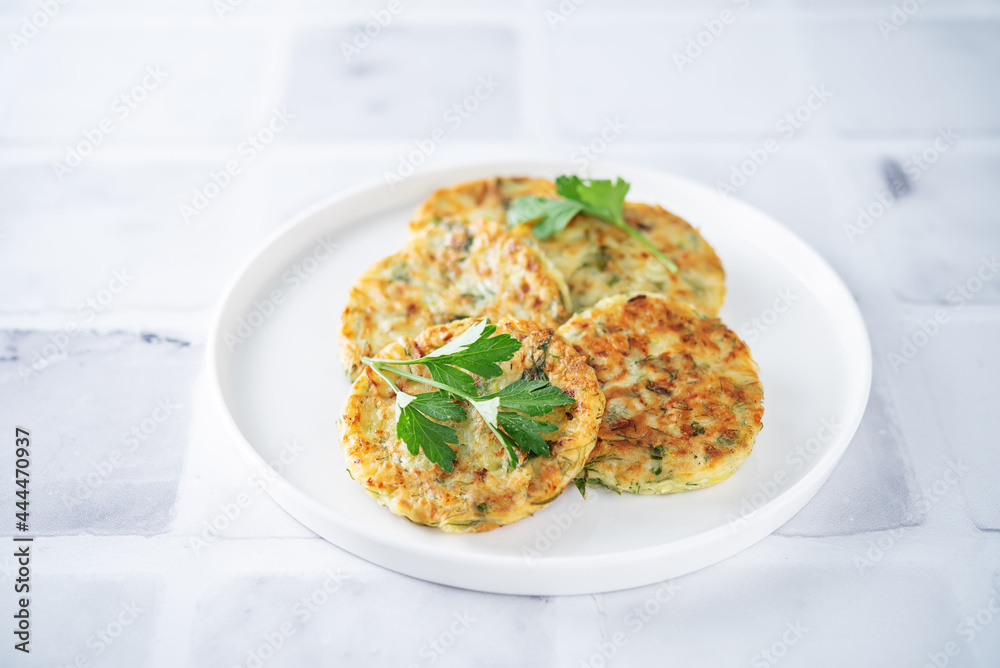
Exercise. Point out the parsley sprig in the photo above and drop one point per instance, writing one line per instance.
(602, 199)
(476, 350)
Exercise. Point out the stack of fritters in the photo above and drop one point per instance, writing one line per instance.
(684, 402)
(596, 259)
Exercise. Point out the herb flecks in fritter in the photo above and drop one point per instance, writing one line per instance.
(596, 258)
(602, 199)
(446, 272)
(482, 491)
(477, 351)
(684, 397)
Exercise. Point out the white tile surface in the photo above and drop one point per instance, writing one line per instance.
(806, 607)
(69, 84)
(882, 567)
(456, 627)
(128, 217)
(870, 490)
(404, 84)
(108, 461)
(107, 621)
(753, 67)
(944, 228)
(959, 369)
(928, 75)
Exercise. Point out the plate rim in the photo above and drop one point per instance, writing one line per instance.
(367, 543)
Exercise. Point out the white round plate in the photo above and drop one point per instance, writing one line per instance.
(273, 354)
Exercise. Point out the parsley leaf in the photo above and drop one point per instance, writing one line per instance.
(455, 381)
(552, 214)
(602, 199)
(439, 405)
(477, 350)
(464, 340)
(524, 431)
(482, 357)
(509, 445)
(534, 397)
(421, 433)
(488, 409)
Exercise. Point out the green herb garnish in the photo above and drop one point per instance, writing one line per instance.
(475, 351)
(602, 199)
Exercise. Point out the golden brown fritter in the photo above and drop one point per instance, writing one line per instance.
(596, 258)
(482, 492)
(446, 272)
(474, 200)
(684, 402)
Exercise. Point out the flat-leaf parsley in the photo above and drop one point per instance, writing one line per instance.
(475, 351)
(603, 199)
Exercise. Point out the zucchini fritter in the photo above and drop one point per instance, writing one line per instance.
(596, 258)
(684, 402)
(446, 272)
(482, 492)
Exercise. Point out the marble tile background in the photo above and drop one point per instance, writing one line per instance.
(889, 565)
